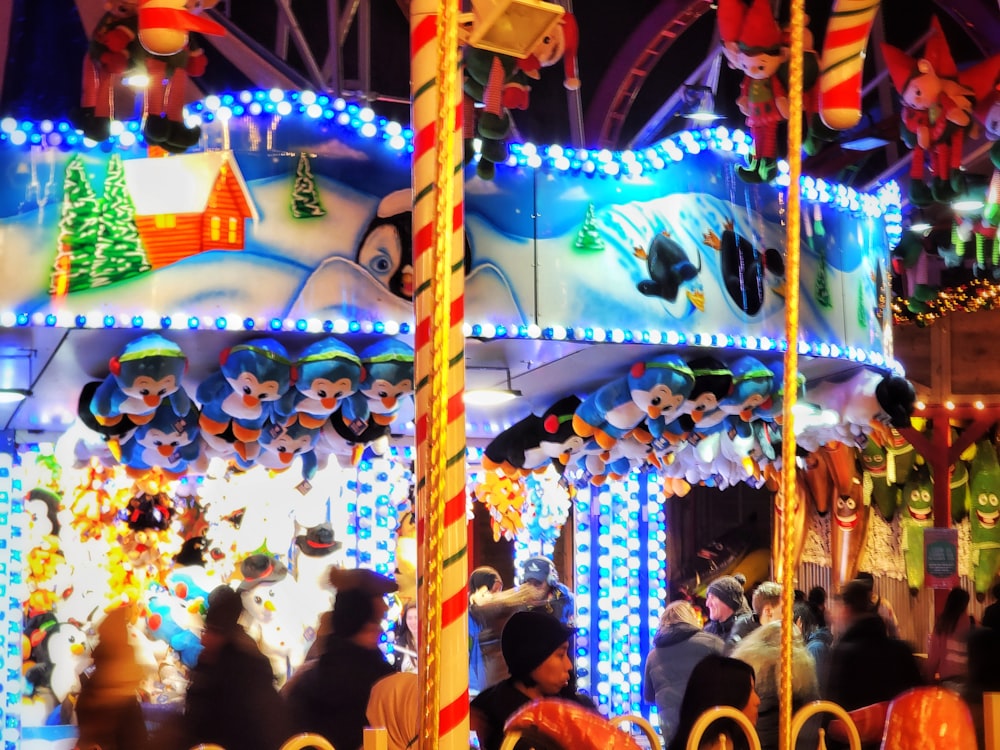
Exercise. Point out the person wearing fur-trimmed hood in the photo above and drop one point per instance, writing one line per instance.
(761, 649)
(679, 645)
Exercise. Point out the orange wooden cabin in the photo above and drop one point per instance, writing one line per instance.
(189, 203)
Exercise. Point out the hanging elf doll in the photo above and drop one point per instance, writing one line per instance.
(759, 52)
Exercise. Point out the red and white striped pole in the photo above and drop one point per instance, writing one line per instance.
(438, 259)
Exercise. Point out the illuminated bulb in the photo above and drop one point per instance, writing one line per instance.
(980, 405)
(949, 405)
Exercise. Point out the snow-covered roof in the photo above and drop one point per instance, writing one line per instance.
(179, 184)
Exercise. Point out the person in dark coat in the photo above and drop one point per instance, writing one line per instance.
(679, 644)
(107, 710)
(991, 615)
(535, 646)
(231, 699)
(730, 616)
(331, 698)
(866, 666)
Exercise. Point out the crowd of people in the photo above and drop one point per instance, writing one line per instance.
(724, 651)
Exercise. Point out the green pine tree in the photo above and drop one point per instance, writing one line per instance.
(862, 307)
(822, 288)
(589, 237)
(120, 254)
(78, 230)
(305, 193)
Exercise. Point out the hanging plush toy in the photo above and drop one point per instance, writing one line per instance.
(337, 438)
(935, 116)
(752, 385)
(878, 490)
(147, 372)
(848, 528)
(916, 514)
(238, 398)
(386, 378)
(499, 83)
(760, 52)
(536, 442)
(112, 52)
(702, 417)
(281, 442)
(328, 373)
(172, 56)
(988, 113)
(653, 389)
(984, 516)
(169, 442)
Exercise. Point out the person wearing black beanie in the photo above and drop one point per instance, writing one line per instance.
(535, 646)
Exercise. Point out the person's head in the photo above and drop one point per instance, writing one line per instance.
(487, 578)
(225, 605)
(717, 681)
(410, 620)
(867, 579)
(767, 602)
(817, 602)
(854, 601)
(955, 607)
(679, 612)
(535, 646)
(995, 592)
(357, 616)
(804, 619)
(539, 572)
(724, 598)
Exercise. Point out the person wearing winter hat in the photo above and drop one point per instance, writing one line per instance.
(557, 600)
(535, 646)
(729, 614)
(330, 698)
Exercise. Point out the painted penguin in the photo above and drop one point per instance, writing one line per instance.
(535, 442)
(147, 372)
(741, 266)
(916, 514)
(386, 377)
(241, 393)
(984, 516)
(169, 441)
(329, 371)
(386, 247)
(668, 266)
(656, 388)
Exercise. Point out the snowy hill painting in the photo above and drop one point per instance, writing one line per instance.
(321, 230)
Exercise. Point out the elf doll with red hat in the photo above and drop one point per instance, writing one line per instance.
(935, 116)
(760, 52)
(499, 83)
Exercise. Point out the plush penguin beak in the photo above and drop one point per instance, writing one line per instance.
(165, 450)
(250, 400)
(388, 402)
(269, 606)
(746, 415)
(653, 411)
(696, 416)
(286, 458)
(330, 402)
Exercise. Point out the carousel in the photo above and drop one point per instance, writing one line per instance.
(266, 332)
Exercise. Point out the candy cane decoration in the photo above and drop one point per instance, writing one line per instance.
(438, 254)
(843, 62)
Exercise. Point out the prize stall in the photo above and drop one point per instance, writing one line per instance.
(214, 337)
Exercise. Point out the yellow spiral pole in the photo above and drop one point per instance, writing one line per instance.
(792, 246)
(438, 255)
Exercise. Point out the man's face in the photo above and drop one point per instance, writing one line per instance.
(768, 613)
(717, 609)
